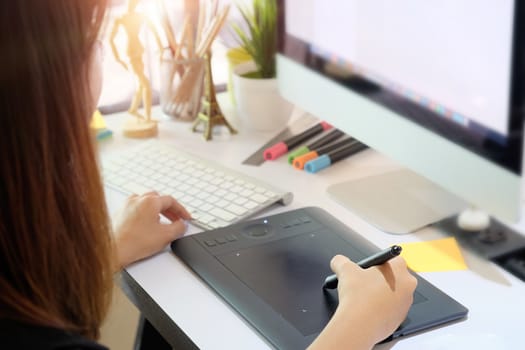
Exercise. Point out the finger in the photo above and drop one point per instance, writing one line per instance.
(174, 230)
(338, 263)
(398, 264)
(172, 216)
(171, 206)
(396, 270)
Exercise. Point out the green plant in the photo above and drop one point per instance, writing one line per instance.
(260, 39)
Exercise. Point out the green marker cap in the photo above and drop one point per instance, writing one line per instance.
(298, 152)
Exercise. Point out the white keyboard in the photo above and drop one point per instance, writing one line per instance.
(214, 195)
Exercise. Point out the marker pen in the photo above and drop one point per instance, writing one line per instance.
(378, 258)
(282, 147)
(300, 161)
(330, 136)
(330, 158)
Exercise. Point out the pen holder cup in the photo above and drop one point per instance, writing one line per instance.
(181, 87)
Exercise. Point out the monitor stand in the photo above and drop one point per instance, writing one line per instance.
(397, 202)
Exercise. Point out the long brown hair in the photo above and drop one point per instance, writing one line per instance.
(55, 245)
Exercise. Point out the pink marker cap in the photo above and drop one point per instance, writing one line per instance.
(325, 125)
(275, 151)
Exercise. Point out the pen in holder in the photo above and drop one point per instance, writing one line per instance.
(181, 86)
(186, 63)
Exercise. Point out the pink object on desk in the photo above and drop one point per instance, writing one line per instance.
(282, 147)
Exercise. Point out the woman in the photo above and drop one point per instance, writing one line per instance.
(57, 250)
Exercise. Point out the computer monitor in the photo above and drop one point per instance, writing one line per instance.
(436, 86)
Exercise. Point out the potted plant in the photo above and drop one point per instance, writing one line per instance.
(259, 104)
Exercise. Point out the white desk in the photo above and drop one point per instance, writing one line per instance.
(495, 298)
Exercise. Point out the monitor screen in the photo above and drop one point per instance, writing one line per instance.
(436, 86)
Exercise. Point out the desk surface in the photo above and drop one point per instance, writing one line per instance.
(495, 298)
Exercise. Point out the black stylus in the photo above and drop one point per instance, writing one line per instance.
(375, 259)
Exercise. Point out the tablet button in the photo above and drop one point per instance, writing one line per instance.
(295, 222)
(258, 230)
(305, 219)
(210, 243)
(231, 238)
(221, 240)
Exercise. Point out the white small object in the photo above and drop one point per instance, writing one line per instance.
(473, 219)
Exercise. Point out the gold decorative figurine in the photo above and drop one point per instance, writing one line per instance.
(132, 22)
(210, 114)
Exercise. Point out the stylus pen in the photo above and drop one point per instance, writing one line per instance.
(378, 258)
(300, 161)
(330, 136)
(330, 158)
(282, 147)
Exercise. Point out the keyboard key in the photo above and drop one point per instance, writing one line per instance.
(202, 195)
(212, 199)
(270, 194)
(236, 189)
(222, 214)
(192, 181)
(206, 207)
(117, 181)
(221, 203)
(221, 193)
(240, 200)
(184, 187)
(226, 185)
(217, 181)
(197, 203)
(210, 188)
(249, 186)
(231, 197)
(193, 191)
(250, 204)
(259, 198)
(237, 210)
(206, 219)
(246, 193)
(135, 188)
(200, 185)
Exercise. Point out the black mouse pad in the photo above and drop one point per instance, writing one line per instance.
(271, 270)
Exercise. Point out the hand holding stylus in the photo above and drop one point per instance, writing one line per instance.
(376, 259)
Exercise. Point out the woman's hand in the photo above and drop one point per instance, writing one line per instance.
(138, 230)
(372, 304)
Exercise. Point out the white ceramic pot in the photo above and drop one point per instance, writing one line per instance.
(259, 105)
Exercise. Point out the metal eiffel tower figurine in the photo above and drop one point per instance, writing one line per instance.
(210, 113)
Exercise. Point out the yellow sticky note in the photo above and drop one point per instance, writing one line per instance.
(97, 121)
(437, 255)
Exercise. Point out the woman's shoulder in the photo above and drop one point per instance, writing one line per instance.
(15, 335)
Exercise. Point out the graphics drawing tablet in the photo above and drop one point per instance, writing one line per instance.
(271, 271)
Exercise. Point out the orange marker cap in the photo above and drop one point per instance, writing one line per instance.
(299, 162)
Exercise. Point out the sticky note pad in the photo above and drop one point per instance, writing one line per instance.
(437, 255)
(97, 121)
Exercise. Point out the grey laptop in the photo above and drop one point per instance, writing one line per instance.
(271, 271)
